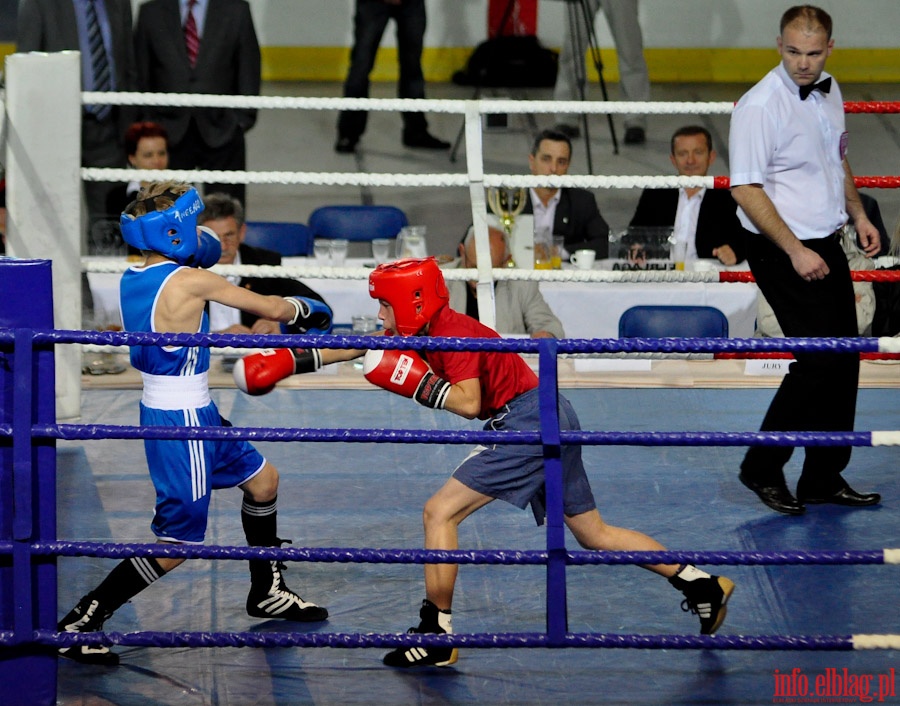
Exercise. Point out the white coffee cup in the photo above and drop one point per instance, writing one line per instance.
(583, 259)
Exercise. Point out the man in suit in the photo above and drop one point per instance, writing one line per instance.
(224, 214)
(706, 219)
(63, 25)
(569, 212)
(201, 46)
(519, 305)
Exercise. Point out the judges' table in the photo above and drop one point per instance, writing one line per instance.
(586, 309)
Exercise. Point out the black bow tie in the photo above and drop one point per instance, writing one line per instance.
(824, 85)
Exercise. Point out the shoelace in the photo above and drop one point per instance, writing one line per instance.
(702, 609)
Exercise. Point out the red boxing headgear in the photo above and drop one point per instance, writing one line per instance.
(414, 288)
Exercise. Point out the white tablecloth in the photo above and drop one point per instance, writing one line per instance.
(586, 309)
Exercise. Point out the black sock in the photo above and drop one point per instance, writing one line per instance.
(260, 521)
(129, 578)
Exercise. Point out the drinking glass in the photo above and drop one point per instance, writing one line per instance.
(322, 252)
(339, 251)
(381, 250)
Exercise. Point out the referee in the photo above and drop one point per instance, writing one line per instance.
(795, 191)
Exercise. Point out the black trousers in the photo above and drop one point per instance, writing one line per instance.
(819, 391)
(192, 152)
(369, 23)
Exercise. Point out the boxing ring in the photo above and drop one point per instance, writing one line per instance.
(378, 494)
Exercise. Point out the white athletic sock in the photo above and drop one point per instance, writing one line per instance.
(692, 573)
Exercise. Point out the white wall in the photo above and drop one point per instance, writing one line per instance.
(666, 23)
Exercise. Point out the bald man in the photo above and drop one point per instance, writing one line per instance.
(520, 306)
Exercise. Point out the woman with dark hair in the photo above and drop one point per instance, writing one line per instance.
(147, 147)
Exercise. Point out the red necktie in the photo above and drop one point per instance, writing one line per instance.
(191, 38)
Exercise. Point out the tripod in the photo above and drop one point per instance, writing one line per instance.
(578, 10)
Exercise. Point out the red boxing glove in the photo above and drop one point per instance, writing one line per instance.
(256, 374)
(405, 373)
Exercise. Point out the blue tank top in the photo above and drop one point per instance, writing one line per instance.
(139, 292)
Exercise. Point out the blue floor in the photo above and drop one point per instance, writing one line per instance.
(368, 495)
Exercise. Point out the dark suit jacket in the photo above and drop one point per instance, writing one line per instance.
(578, 219)
(50, 26)
(717, 222)
(279, 286)
(228, 63)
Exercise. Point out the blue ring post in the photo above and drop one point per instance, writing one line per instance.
(548, 401)
(27, 484)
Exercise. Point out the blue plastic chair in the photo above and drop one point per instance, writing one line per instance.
(357, 223)
(288, 239)
(652, 321)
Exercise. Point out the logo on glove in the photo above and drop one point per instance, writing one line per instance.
(401, 370)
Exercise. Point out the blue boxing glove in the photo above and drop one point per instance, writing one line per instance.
(310, 316)
(209, 249)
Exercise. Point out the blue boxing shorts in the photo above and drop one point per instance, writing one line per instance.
(184, 471)
(515, 472)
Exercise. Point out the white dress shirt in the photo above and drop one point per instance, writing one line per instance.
(794, 148)
(544, 215)
(686, 216)
(221, 316)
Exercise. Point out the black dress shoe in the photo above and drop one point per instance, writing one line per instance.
(775, 496)
(844, 496)
(345, 145)
(635, 136)
(573, 132)
(424, 140)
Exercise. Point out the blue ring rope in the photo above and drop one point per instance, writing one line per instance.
(471, 640)
(71, 432)
(44, 338)
(506, 557)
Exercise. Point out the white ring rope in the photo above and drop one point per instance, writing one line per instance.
(876, 642)
(886, 438)
(433, 105)
(412, 180)
(503, 273)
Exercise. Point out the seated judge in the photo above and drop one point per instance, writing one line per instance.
(519, 305)
(569, 212)
(224, 214)
(705, 218)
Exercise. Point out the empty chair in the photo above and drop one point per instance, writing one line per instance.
(673, 321)
(288, 239)
(357, 223)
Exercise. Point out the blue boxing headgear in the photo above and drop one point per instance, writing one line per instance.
(173, 232)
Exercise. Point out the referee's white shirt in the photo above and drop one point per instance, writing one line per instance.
(795, 150)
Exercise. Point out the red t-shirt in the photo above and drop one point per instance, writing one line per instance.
(503, 376)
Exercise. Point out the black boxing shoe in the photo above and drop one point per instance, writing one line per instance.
(87, 616)
(774, 495)
(845, 496)
(706, 598)
(430, 622)
(271, 598)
